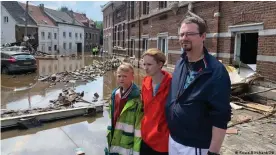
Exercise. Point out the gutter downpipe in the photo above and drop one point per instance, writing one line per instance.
(139, 51)
(128, 28)
(112, 28)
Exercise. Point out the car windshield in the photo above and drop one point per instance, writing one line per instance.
(23, 56)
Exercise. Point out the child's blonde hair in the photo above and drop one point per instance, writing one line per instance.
(126, 67)
(156, 54)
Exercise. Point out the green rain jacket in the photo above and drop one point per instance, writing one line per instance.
(125, 137)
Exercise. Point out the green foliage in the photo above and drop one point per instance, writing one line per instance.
(63, 9)
(99, 25)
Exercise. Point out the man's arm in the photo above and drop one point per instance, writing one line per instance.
(220, 109)
(217, 139)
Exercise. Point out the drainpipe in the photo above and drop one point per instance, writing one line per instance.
(128, 29)
(139, 50)
(26, 21)
(112, 26)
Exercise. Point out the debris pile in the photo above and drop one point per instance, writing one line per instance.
(87, 73)
(64, 100)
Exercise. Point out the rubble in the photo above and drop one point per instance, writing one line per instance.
(87, 73)
(64, 100)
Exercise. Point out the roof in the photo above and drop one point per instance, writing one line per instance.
(38, 15)
(106, 5)
(61, 17)
(83, 19)
(17, 12)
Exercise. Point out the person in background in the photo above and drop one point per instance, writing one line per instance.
(125, 111)
(198, 107)
(155, 89)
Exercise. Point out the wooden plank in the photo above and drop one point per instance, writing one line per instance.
(259, 107)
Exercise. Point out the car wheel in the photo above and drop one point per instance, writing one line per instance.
(5, 70)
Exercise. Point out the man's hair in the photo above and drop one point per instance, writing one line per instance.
(156, 54)
(126, 67)
(193, 18)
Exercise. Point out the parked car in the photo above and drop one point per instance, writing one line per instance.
(16, 49)
(14, 61)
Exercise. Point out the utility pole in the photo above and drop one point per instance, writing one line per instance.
(26, 22)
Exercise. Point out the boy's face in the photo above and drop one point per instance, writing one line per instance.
(124, 79)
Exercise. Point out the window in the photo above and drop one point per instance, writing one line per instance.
(109, 21)
(132, 45)
(132, 10)
(145, 22)
(50, 48)
(86, 35)
(43, 35)
(162, 44)
(64, 46)
(76, 35)
(64, 34)
(55, 47)
(70, 45)
(6, 19)
(49, 35)
(70, 34)
(55, 35)
(80, 35)
(145, 44)
(90, 36)
(145, 8)
(162, 4)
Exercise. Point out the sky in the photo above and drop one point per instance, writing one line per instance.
(92, 9)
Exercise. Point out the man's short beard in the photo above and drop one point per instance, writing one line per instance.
(187, 49)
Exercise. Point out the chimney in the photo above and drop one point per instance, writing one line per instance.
(41, 6)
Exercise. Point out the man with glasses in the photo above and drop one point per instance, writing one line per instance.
(198, 107)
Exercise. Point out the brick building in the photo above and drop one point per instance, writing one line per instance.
(237, 31)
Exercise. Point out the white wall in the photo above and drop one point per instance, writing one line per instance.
(73, 29)
(45, 42)
(7, 29)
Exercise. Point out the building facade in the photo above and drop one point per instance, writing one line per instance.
(17, 12)
(237, 31)
(91, 33)
(70, 32)
(47, 29)
(7, 26)
(107, 10)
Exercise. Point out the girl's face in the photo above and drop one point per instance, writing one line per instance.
(151, 66)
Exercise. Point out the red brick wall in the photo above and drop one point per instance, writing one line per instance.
(173, 44)
(253, 12)
(267, 69)
(206, 11)
(173, 58)
(267, 45)
(152, 44)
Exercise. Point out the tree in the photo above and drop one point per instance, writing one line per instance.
(99, 25)
(63, 9)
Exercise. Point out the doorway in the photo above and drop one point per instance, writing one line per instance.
(249, 48)
(79, 48)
